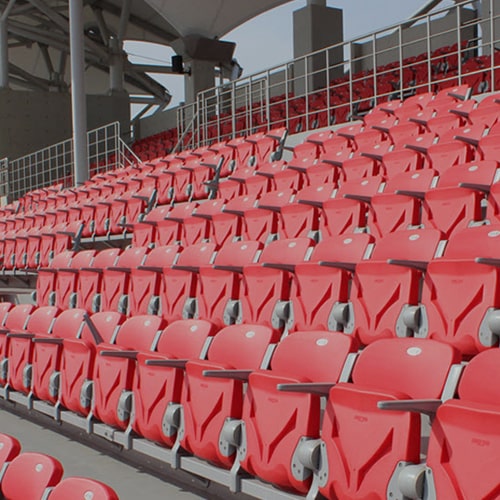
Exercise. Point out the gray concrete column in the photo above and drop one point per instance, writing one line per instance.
(201, 77)
(116, 66)
(316, 27)
(4, 55)
(78, 99)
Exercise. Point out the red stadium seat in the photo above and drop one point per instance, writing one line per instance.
(464, 441)
(278, 424)
(82, 488)
(413, 369)
(210, 402)
(77, 360)
(158, 384)
(29, 475)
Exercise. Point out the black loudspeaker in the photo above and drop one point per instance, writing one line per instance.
(177, 64)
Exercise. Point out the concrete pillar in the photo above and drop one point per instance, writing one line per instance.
(315, 27)
(78, 99)
(116, 66)
(201, 77)
(4, 55)
(490, 27)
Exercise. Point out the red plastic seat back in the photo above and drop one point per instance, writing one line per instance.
(69, 323)
(312, 356)
(89, 281)
(82, 488)
(465, 441)
(241, 346)
(418, 244)
(29, 475)
(415, 367)
(139, 332)
(105, 323)
(18, 316)
(185, 339)
(474, 384)
(42, 320)
(474, 242)
(10, 448)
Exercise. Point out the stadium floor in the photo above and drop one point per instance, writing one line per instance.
(97, 460)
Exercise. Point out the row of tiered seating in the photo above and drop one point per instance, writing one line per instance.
(343, 283)
(430, 133)
(324, 108)
(187, 386)
(257, 343)
(30, 476)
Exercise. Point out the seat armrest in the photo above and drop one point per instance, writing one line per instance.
(169, 363)
(306, 388)
(230, 374)
(425, 406)
(120, 354)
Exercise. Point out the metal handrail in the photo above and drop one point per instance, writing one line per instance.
(222, 112)
(54, 164)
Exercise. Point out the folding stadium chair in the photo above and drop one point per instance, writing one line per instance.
(10, 448)
(384, 298)
(114, 369)
(399, 206)
(66, 279)
(179, 282)
(145, 280)
(458, 200)
(279, 429)
(19, 355)
(82, 488)
(219, 285)
(16, 320)
(261, 223)
(29, 475)
(116, 279)
(46, 280)
(209, 404)
(77, 363)
(414, 369)
(320, 286)
(90, 279)
(159, 378)
(464, 438)
(169, 230)
(266, 286)
(198, 227)
(348, 211)
(144, 233)
(459, 299)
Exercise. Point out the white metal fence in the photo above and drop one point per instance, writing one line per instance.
(54, 164)
(451, 46)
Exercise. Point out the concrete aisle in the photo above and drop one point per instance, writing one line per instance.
(130, 482)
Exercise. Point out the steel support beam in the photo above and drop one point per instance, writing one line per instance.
(4, 46)
(78, 99)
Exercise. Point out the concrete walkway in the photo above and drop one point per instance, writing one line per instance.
(131, 482)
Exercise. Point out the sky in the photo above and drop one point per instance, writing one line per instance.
(267, 40)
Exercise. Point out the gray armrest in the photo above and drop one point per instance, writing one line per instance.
(425, 406)
(282, 267)
(119, 354)
(55, 341)
(231, 374)
(347, 266)
(414, 264)
(307, 388)
(170, 363)
(414, 194)
(488, 261)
